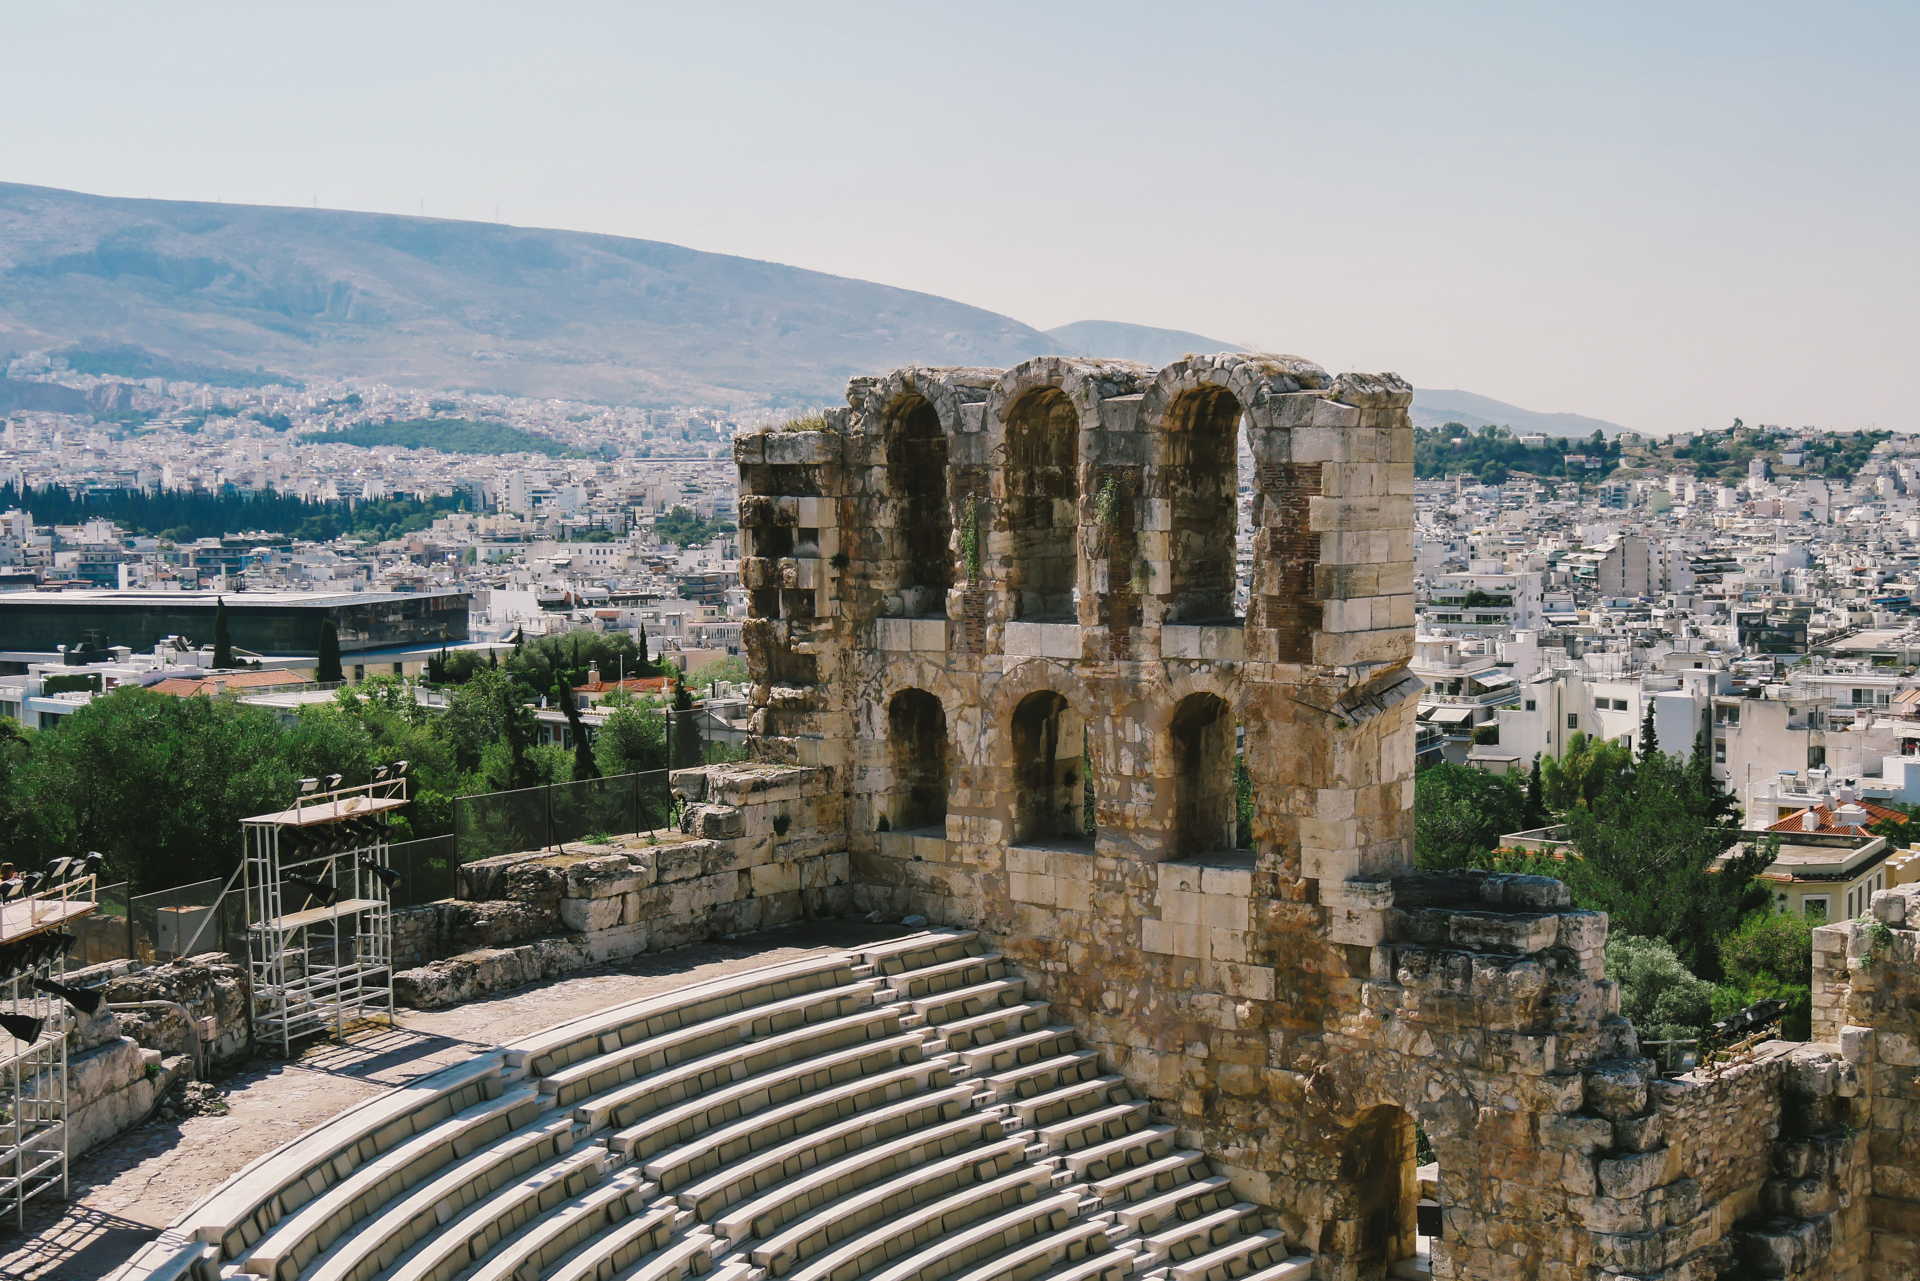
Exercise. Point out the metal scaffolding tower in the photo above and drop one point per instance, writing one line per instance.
(34, 1022)
(319, 922)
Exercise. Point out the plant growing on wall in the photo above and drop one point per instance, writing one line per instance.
(970, 539)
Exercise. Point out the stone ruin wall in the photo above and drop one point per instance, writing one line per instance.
(966, 574)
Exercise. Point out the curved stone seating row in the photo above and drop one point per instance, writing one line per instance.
(647, 1128)
(692, 1041)
(918, 1120)
(900, 1113)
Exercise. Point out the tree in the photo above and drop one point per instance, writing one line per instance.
(1460, 813)
(1660, 849)
(1576, 779)
(328, 668)
(583, 761)
(632, 739)
(1770, 956)
(1665, 1000)
(645, 666)
(222, 637)
(686, 726)
(1649, 733)
(1535, 815)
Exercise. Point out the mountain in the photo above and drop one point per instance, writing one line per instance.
(233, 292)
(1122, 341)
(1435, 408)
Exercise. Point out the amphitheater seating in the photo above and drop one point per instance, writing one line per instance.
(905, 1112)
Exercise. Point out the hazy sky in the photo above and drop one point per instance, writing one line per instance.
(1665, 215)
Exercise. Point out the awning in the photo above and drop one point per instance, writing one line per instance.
(1493, 680)
(1452, 715)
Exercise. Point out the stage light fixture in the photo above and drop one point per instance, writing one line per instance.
(318, 889)
(308, 786)
(22, 1027)
(84, 999)
(388, 877)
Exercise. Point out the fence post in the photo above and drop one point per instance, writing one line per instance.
(550, 816)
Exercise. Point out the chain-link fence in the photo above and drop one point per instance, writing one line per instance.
(429, 870)
(103, 936)
(534, 818)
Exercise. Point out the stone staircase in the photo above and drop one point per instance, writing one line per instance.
(900, 1113)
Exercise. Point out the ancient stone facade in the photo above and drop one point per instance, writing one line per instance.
(996, 617)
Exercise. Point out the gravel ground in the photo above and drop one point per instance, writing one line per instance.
(127, 1190)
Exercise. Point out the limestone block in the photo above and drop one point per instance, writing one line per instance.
(1514, 935)
(1180, 878)
(788, 448)
(1179, 641)
(775, 878)
(1890, 908)
(1227, 880)
(1633, 1173)
(1251, 982)
(589, 915)
(929, 635)
(607, 876)
(1172, 938)
(1617, 1088)
(1856, 1045)
(893, 633)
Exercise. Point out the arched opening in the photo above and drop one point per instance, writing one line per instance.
(923, 529)
(1205, 796)
(1043, 504)
(1202, 480)
(1049, 743)
(921, 757)
(1371, 1221)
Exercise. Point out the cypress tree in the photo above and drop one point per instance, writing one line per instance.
(584, 764)
(646, 663)
(1649, 738)
(328, 668)
(686, 729)
(222, 638)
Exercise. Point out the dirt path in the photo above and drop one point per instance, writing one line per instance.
(127, 1190)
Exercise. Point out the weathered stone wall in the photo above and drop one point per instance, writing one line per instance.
(1299, 1004)
(757, 848)
(120, 1063)
(1866, 998)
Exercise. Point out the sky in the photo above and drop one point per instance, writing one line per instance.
(1662, 215)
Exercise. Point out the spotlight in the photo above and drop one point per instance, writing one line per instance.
(388, 877)
(95, 861)
(400, 769)
(58, 869)
(333, 781)
(84, 999)
(11, 888)
(308, 786)
(21, 1027)
(34, 880)
(380, 773)
(325, 893)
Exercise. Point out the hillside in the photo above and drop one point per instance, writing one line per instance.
(221, 292)
(1436, 408)
(1122, 341)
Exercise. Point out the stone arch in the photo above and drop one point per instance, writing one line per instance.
(920, 757)
(1196, 408)
(913, 417)
(923, 528)
(1041, 506)
(1045, 734)
(1200, 770)
(1042, 421)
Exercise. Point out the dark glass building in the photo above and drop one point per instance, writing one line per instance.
(277, 624)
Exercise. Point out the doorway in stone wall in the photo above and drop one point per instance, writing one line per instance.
(920, 755)
(1372, 1228)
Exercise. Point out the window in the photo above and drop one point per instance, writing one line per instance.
(1530, 706)
(1573, 720)
(1816, 757)
(1720, 751)
(1816, 906)
(1619, 704)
